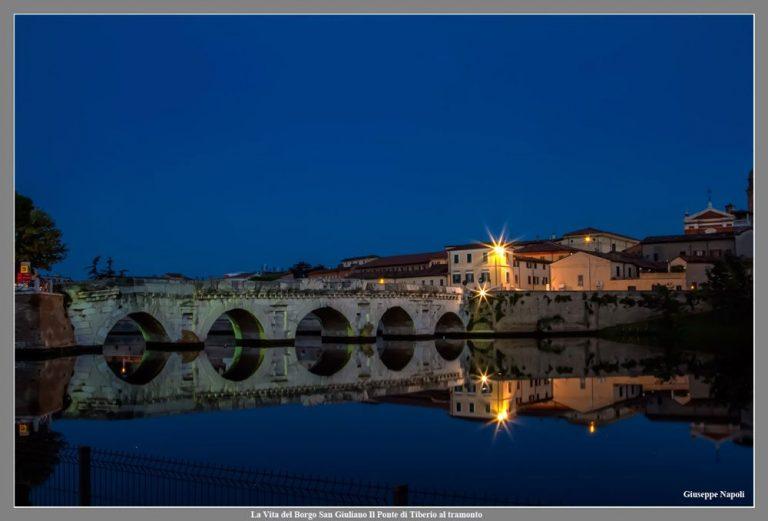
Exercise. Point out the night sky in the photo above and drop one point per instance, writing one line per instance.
(213, 144)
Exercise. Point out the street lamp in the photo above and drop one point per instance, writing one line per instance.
(498, 249)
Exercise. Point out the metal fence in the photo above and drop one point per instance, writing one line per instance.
(87, 476)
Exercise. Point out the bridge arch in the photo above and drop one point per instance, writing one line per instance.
(449, 323)
(395, 322)
(325, 322)
(395, 354)
(449, 349)
(128, 348)
(232, 344)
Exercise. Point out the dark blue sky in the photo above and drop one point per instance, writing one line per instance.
(214, 144)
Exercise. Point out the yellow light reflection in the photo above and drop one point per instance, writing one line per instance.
(502, 416)
(592, 427)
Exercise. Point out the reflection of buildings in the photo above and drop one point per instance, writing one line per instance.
(592, 401)
(489, 399)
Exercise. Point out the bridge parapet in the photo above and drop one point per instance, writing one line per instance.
(185, 311)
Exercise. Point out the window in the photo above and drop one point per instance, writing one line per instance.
(529, 279)
(441, 281)
(655, 256)
(458, 406)
(507, 276)
(580, 281)
(613, 246)
(631, 288)
(469, 277)
(516, 263)
(485, 256)
(456, 278)
(469, 258)
(487, 407)
(535, 280)
(517, 279)
(544, 280)
(455, 258)
(629, 272)
(618, 272)
(485, 276)
(471, 406)
(457, 389)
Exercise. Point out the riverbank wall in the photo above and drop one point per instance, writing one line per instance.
(546, 312)
(42, 322)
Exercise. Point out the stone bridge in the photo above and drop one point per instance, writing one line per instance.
(170, 311)
(189, 381)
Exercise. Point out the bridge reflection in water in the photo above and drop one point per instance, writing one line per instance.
(586, 381)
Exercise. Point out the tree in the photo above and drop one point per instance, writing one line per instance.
(93, 270)
(300, 270)
(729, 287)
(37, 239)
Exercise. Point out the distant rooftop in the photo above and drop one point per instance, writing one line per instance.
(397, 260)
(360, 257)
(595, 231)
(696, 237)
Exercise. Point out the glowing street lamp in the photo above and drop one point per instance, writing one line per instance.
(499, 250)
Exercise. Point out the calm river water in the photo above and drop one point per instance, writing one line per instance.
(571, 421)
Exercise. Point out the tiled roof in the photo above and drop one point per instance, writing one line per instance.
(704, 259)
(595, 231)
(542, 247)
(470, 246)
(625, 258)
(397, 260)
(531, 259)
(436, 270)
(695, 237)
(360, 257)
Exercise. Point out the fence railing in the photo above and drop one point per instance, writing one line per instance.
(86, 476)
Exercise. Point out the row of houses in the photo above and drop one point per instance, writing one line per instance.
(583, 259)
